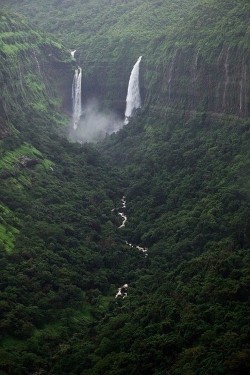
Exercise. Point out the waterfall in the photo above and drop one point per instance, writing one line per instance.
(133, 100)
(72, 53)
(76, 96)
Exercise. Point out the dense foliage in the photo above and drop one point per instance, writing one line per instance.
(185, 176)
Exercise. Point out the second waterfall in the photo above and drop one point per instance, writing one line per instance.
(133, 100)
(76, 97)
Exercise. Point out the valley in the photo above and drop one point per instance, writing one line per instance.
(124, 187)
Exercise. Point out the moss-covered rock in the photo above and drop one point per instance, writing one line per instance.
(35, 74)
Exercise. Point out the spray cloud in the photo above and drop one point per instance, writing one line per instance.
(94, 123)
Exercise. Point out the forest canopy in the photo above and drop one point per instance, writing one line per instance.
(82, 290)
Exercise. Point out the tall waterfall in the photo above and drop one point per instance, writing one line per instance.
(76, 96)
(133, 100)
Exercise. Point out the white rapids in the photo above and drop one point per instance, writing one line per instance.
(122, 291)
(123, 216)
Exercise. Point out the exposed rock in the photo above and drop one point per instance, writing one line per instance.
(220, 85)
(27, 162)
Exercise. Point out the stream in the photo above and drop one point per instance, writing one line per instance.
(122, 214)
(122, 291)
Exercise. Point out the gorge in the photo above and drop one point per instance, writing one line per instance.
(177, 243)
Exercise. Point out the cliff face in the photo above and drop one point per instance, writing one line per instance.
(35, 85)
(195, 53)
(190, 82)
(185, 81)
(34, 72)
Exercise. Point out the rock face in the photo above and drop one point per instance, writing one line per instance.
(220, 85)
(195, 53)
(107, 82)
(27, 162)
(35, 74)
(186, 80)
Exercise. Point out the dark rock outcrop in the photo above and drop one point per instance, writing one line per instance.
(27, 162)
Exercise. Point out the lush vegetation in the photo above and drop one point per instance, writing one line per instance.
(187, 39)
(185, 176)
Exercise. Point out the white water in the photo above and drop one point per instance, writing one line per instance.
(124, 219)
(122, 291)
(123, 216)
(133, 100)
(76, 97)
(72, 52)
(144, 250)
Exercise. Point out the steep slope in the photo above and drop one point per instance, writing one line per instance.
(30, 67)
(58, 237)
(185, 176)
(188, 201)
(31, 70)
(195, 52)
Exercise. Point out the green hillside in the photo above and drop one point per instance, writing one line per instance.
(185, 46)
(182, 165)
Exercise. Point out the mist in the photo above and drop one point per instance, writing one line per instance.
(95, 123)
